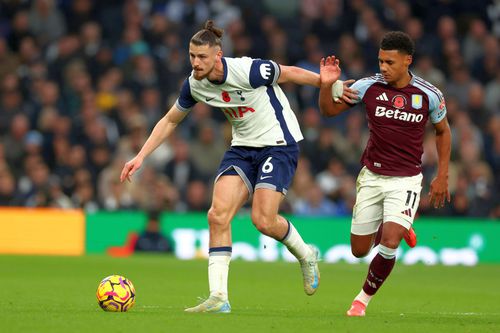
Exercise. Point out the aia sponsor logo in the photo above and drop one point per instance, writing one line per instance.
(382, 111)
(237, 112)
(398, 101)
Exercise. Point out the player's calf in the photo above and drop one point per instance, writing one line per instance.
(380, 268)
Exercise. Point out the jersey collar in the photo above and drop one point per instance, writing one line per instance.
(224, 66)
(412, 81)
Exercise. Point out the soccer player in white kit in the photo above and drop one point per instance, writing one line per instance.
(398, 105)
(261, 161)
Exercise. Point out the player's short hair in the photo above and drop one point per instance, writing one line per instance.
(210, 35)
(397, 40)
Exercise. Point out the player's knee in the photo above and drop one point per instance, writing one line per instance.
(359, 252)
(392, 243)
(262, 223)
(217, 218)
(392, 240)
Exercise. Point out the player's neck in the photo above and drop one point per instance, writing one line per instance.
(403, 82)
(217, 73)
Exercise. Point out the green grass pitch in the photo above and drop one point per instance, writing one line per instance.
(57, 294)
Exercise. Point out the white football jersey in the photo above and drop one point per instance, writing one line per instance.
(251, 100)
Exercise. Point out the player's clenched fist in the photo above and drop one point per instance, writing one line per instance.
(130, 168)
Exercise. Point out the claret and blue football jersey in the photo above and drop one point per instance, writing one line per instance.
(396, 120)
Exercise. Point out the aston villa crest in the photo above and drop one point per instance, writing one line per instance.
(416, 101)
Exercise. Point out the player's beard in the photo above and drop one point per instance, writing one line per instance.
(200, 75)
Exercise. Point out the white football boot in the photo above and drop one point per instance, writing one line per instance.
(310, 271)
(214, 304)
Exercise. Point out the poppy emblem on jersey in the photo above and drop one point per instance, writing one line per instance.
(225, 96)
(416, 101)
(399, 101)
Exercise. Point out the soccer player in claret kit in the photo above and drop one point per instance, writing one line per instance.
(398, 105)
(261, 161)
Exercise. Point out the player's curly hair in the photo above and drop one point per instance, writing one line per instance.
(398, 40)
(210, 35)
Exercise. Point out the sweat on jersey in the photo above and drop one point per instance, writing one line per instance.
(396, 120)
(251, 100)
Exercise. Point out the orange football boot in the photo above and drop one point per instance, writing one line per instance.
(411, 238)
(357, 309)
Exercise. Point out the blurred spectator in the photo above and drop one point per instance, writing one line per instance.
(207, 151)
(197, 199)
(151, 239)
(492, 97)
(486, 65)
(316, 204)
(424, 68)
(79, 13)
(8, 194)
(459, 84)
(329, 180)
(8, 60)
(15, 141)
(20, 28)
(476, 105)
(181, 169)
(46, 21)
(473, 41)
(191, 13)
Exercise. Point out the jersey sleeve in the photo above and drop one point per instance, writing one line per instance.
(263, 73)
(362, 86)
(437, 107)
(185, 101)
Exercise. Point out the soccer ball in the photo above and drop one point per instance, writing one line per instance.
(116, 293)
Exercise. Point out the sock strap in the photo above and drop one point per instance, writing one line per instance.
(287, 231)
(386, 252)
(220, 251)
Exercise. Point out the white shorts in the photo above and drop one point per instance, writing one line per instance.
(382, 198)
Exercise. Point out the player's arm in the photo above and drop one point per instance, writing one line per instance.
(439, 185)
(298, 75)
(162, 130)
(329, 74)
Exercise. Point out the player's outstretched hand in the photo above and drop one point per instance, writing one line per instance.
(439, 192)
(130, 168)
(329, 70)
(349, 95)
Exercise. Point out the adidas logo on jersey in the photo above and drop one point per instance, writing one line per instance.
(382, 97)
(381, 111)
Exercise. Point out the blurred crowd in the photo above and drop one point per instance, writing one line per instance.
(82, 83)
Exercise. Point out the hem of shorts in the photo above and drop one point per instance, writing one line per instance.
(270, 187)
(363, 233)
(366, 222)
(399, 220)
(242, 176)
